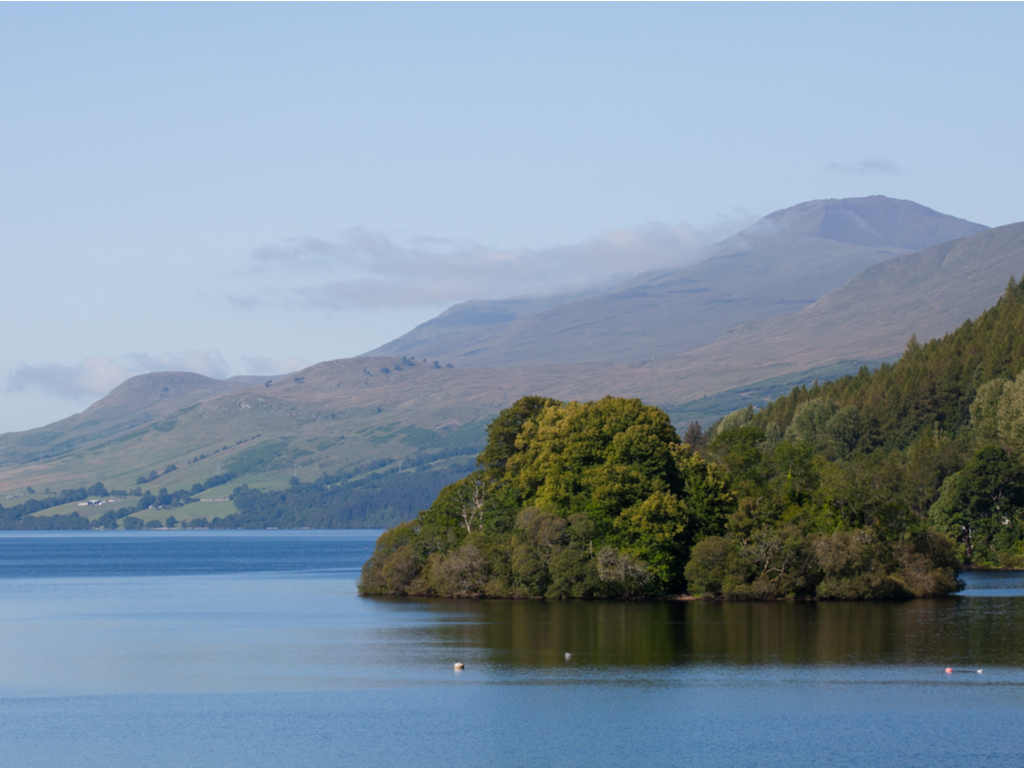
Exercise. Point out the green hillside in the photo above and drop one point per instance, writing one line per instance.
(337, 418)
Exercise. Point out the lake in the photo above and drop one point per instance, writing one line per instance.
(252, 648)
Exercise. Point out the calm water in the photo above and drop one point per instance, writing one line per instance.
(253, 649)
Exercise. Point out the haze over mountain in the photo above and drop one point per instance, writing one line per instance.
(781, 264)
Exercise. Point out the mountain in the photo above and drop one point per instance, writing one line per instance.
(927, 294)
(140, 400)
(385, 423)
(780, 265)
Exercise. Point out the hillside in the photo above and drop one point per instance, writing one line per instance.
(780, 265)
(924, 294)
(370, 419)
(140, 400)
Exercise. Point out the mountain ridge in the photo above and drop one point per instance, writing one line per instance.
(781, 264)
(424, 420)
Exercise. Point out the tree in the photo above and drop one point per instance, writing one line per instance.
(503, 431)
(471, 502)
(717, 568)
(980, 505)
(1011, 417)
(571, 500)
(694, 436)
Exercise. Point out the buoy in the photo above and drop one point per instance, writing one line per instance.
(980, 671)
(569, 656)
(949, 670)
(459, 666)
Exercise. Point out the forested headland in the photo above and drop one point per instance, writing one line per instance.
(883, 484)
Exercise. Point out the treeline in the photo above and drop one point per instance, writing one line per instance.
(333, 501)
(23, 517)
(602, 499)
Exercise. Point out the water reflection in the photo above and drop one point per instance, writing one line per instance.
(527, 633)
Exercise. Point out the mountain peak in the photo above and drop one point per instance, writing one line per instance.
(780, 265)
(874, 222)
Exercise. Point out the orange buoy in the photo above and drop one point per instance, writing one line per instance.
(949, 670)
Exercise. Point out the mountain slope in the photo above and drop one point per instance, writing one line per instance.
(781, 264)
(140, 400)
(418, 420)
(927, 293)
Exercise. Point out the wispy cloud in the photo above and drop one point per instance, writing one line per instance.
(868, 166)
(362, 268)
(258, 366)
(96, 376)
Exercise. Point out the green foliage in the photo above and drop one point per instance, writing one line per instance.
(735, 420)
(503, 431)
(997, 414)
(717, 567)
(593, 499)
(23, 516)
(982, 506)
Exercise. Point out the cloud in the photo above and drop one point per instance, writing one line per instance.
(361, 268)
(869, 165)
(96, 376)
(259, 366)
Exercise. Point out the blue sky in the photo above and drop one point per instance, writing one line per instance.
(239, 188)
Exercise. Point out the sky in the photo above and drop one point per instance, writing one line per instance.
(251, 188)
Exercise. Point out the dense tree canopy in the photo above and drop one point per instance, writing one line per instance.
(571, 500)
(602, 499)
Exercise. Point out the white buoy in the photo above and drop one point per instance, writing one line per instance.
(980, 671)
(568, 656)
(459, 666)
